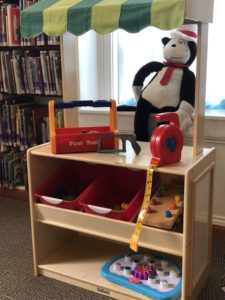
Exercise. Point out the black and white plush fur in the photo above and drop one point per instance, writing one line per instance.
(176, 96)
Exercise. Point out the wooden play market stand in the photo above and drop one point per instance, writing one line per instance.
(72, 245)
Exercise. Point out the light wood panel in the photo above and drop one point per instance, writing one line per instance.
(200, 89)
(70, 76)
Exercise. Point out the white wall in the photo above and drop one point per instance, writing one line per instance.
(214, 137)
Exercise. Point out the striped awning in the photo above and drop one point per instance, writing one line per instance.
(55, 17)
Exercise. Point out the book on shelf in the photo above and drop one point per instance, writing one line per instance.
(1, 171)
(28, 66)
(35, 75)
(3, 72)
(1, 27)
(24, 72)
(40, 39)
(45, 77)
(18, 71)
(3, 166)
(7, 155)
(26, 133)
(3, 12)
(1, 76)
(10, 122)
(39, 117)
(55, 63)
(13, 165)
(13, 111)
(16, 177)
(11, 168)
(1, 128)
(39, 74)
(53, 40)
(24, 169)
(9, 72)
(50, 74)
(58, 72)
(13, 25)
(25, 123)
(6, 126)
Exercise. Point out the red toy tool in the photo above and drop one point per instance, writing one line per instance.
(167, 140)
(81, 139)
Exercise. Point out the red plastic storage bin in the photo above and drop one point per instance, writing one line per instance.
(68, 182)
(116, 194)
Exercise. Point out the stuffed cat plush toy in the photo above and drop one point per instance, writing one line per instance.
(172, 88)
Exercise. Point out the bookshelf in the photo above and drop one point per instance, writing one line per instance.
(34, 70)
(30, 75)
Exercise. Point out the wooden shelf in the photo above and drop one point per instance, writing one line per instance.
(130, 159)
(79, 262)
(60, 253)
(115, 230)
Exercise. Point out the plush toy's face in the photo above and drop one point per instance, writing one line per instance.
(177, 51)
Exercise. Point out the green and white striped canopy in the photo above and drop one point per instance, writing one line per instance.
(55, 17)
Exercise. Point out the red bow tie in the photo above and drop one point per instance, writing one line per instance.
(171, 66)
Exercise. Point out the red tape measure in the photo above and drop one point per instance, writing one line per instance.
(166, 145)
(167, 140)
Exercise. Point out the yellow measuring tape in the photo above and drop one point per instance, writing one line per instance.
(148, 190)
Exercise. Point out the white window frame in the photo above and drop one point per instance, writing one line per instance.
(98, 71)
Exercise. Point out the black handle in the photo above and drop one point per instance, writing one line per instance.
(82, 103)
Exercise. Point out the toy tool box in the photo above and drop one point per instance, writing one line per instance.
(81, 139)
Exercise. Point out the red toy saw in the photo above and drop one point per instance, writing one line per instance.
(167, 140)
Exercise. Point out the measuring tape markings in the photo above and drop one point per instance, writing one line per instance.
(148, 190)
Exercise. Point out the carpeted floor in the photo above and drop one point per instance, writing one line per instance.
(17, 281)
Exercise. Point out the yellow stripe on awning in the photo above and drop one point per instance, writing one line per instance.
(162, 9)
(106, 15)
(55, 17)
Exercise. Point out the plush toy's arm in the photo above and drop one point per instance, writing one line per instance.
(137, 91)
(186, 109)
(185, 114)
(188, 87)
(142, 73)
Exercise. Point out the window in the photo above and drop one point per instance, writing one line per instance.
(215, 93)
(96, 71)
(110, 62)
(134, 51)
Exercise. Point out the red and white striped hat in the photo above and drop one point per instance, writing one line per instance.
(186, 32)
